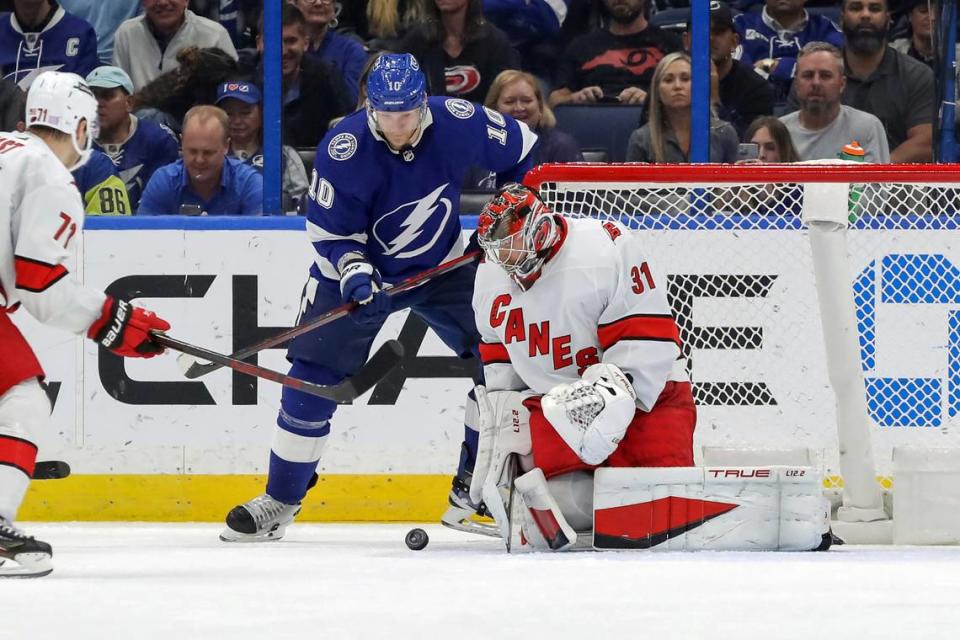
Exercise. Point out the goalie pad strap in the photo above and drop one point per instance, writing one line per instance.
(716, 508)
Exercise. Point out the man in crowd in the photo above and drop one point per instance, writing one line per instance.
(313, 93)
(891, 85)
(137, 147)
(40, 36)
(772, 38)
(147, 46)
(823, 125)
(616, 63)
(204, 181)
(744, 94)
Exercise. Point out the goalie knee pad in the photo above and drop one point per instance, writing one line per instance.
(544, 525)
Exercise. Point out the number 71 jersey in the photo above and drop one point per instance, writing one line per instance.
(596, 300)
(41, 217)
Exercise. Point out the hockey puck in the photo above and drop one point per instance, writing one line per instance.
(416, 539)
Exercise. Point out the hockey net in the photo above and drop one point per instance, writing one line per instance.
(734, 247)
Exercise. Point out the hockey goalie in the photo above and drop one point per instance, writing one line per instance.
(587, 397)
(41, 217)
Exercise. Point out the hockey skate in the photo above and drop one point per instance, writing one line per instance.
(259, 520)
(22, 556)
(461, 513)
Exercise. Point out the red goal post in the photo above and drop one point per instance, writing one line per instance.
(817, 302)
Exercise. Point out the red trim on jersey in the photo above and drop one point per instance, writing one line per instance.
(661, 328)
(36, 276)
(17, 360)
(18, 453)
(493, 353)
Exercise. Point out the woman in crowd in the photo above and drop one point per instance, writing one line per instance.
(459, 51)
(518, 94)
(772, 139)
(241, 101)
(666, 136)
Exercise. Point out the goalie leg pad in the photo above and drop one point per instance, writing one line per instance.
(504, 425)
(544, 525)
(716, 508)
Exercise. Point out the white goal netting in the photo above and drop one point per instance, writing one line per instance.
(735, 251)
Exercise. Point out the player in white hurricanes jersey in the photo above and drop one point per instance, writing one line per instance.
(40, 216)
(578, 342)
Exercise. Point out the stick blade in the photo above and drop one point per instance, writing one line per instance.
(51, 470)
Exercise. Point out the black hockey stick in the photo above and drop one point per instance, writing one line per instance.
(386, 357)
(51, 470)
(193, 369)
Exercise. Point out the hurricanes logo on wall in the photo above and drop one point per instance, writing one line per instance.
(899, 298)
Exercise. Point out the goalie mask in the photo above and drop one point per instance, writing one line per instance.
(517, 232)
(61, 101)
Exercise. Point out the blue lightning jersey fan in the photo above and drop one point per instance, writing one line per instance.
(149, 147)
(402, 208)
(65, 43)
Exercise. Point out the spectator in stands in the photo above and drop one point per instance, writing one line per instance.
(459, 51)
(518, 94)
(205, 181)
(891, 85)
(772, 139)
(167, 98)
(533, 28)
(313, 93)
(101, 188)
(147, 46)
(918, 44)
(13, 101)
(105, 16)
(666, 135)
(771, 39)
(380, 22)
(743, 93)
(823, 125)
(241, 102)
(136, 147)
(343, 53)
(39, 35)
(616, 63)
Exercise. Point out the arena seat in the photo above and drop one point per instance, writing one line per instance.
(595, 155)
(600, 126)
(307, 154)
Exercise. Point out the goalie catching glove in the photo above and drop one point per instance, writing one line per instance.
(361, 283)
(593, 413)
(125, 329)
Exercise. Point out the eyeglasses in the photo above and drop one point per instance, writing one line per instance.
(314, 1)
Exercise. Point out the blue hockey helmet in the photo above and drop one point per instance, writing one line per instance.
(396, 83)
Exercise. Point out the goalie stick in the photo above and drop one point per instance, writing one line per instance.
(386, 357)
(193, 369)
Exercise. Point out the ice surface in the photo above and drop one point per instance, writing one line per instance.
(178, 582)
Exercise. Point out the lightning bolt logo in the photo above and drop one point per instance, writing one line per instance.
(412, 226)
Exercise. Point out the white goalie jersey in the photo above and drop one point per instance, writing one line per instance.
(596, 300)
(41, 217)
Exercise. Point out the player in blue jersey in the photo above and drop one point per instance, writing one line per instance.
(40, 36)
(383, 206)
(137, 147)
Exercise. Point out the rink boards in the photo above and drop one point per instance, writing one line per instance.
(146, 444)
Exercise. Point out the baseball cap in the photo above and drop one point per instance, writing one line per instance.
(721, 15)
(243, 91)
(109, 78)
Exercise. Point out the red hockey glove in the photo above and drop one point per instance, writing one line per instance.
(124, 329)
